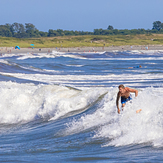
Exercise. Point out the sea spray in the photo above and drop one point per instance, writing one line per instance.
(128, 127)
(27, 102)
(143, 127)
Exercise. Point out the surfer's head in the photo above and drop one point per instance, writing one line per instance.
(121, 88)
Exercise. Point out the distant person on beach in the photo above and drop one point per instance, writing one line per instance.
(136, 67)
(124, 93)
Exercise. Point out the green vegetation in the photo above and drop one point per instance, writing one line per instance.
(18, 34)
(30, 31)
(83, 41)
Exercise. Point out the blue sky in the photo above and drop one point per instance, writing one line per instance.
(79, 15)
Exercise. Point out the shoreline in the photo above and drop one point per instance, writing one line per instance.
(81, 49)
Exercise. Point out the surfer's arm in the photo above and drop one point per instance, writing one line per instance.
(133, 91)
(117, 102)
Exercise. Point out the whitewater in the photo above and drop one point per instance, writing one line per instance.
(61, 107)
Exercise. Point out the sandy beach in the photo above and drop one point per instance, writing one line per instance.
(80, 49)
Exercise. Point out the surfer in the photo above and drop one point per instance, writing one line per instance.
(135, 67)
(124, 93)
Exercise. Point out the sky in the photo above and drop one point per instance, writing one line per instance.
(82, 15)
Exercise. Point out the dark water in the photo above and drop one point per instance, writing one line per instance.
(60, 107)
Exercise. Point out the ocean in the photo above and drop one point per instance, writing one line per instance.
(61, 107)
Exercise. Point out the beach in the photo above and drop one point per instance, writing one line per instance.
(81, 49)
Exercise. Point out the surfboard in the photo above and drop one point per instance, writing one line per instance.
(139, 110)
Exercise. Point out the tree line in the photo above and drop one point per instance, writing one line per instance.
(29, 30)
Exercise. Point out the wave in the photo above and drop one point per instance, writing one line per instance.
(23, 56)
(147, 79)
(115, 55)
(128, 59)
(21, 103)
(128, 127)
(9, 66)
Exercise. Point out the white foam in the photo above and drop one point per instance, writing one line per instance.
(57, 53)
(128, 127)
(79, 102)
(22, 56)
(88, 80)
(145, 52)
(74, 65)
(4, 61)
(27, 102)
(128, 59)
(38, 55)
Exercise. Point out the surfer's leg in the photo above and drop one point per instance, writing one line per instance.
(123, 105)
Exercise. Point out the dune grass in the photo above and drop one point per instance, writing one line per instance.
(83, 41)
